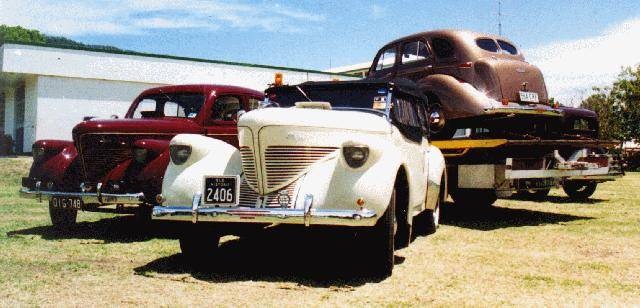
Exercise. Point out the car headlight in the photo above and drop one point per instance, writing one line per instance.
(38, 153)
(140, 154)
(179, 153)
(355, 155)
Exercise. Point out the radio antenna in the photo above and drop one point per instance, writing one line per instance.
(500, 17)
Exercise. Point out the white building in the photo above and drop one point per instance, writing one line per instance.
(46, 90)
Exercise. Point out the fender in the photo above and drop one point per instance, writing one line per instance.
(335, 185)
(437, 170)
(57, 162)
(459, 99)
(208, 157)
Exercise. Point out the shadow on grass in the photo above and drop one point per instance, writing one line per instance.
(493, 217)
(119, 229)
(312, 258)
(557, 200)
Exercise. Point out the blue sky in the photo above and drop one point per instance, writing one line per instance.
(317, 34)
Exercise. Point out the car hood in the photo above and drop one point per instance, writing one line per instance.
(141, 126)
(306, 117)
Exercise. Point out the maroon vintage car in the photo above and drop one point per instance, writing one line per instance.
(472, 79)
(118, 165)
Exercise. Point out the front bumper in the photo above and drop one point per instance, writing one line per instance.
(530, 110)
(307, 216)
(87, 198)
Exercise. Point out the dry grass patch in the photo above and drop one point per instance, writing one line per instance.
(517, 253)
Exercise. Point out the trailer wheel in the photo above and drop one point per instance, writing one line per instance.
(62, 218)
(474, 197)
(579, 190)
(536, 195)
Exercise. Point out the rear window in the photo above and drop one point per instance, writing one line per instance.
(508, 48)
(487, 44)
(442, 48)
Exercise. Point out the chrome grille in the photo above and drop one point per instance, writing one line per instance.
(249, 198)
(249, 167)
(283, 163)
(102, 152)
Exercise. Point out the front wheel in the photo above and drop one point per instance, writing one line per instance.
(579, 190)
(62, 218)
(379, 242)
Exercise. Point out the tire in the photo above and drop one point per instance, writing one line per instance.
(474, 198)
(442, 130)
(199, 244)
(62, 218)
(403, 234)
(537, 195)
(428, 221)
(379, 242)
(579, 190)
(143, 214)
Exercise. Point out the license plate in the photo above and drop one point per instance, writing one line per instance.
(530, 97)
(66, 203)
(221, 190)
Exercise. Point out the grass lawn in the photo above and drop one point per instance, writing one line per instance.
(516, 253)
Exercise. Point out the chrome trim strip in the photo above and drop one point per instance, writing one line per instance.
(353, 218)
(87, 198)
(523, 110)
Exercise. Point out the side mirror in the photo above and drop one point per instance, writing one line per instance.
(115, 116)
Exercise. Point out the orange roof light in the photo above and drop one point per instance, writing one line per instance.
(505, 101)
(278, 79)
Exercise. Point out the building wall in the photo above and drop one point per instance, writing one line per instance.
(64, 102)
(9, 103)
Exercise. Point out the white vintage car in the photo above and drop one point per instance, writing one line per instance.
(350, 154)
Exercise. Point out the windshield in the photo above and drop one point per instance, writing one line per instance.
(367, 99)
(174, 105)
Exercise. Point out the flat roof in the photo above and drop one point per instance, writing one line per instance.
(170, 57)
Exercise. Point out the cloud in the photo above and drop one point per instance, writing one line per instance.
(77, 17)
(572, 68)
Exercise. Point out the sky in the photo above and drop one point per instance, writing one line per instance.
(577, 44)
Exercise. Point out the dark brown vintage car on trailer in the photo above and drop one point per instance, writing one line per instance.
(472, 79)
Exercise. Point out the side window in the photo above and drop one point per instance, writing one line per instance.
(254, 103)
(146, 109)
(387, 59)
(442, 48)
(507, 48)
(487, 44)
(407, 119)
(172, 109)
(414, 51)
(226, 108)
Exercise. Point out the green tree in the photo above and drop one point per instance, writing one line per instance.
(618, 106)
(21, 34)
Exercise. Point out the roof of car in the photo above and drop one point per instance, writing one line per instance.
(204, 88)
(404, 85)
(451, 33)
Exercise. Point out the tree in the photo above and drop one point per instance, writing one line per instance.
(618, 107)
(19, 34)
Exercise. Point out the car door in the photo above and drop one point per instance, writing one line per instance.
(385, 63)
(416, 60)
(414, 147)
